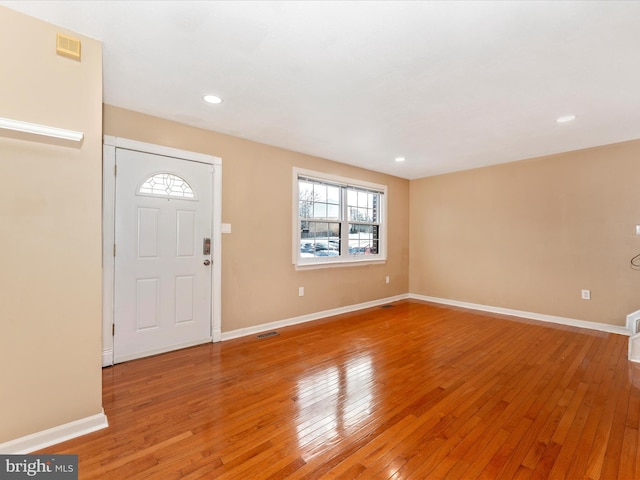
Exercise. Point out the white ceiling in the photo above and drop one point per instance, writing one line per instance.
(448, 85)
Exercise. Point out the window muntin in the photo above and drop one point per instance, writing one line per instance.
(338, 220)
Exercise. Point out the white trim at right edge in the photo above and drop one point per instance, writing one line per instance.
(107, 357)
(52, 436)
(632, 322)
(634, 341)
(216, 255)
(602, 327)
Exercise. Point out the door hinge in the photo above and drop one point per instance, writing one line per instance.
(114, 249)
(115, 170)
(113, 329)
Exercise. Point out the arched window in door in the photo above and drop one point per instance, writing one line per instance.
(166, 184)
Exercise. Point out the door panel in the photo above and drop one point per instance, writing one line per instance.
(148, 235)
(185, 232)
(162, 292)
(147, 307)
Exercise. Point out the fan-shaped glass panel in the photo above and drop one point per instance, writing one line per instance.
(167, 185)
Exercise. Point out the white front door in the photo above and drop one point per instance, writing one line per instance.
(162, 292)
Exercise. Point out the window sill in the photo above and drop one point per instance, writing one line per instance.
(339, 263)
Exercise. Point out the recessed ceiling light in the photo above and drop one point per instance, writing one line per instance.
(400, 159)
(212, 99)
(566, 118)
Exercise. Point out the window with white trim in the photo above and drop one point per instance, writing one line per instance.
(337, 220)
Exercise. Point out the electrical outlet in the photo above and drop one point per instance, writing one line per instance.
(586, 294)
(301, 291)
(387, 280)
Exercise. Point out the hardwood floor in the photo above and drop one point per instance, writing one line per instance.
(415, 391)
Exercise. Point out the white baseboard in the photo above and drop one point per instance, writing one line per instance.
(243, 332)
(107, 357)
(602, 327)
(52, 436)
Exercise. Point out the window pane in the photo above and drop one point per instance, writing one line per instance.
(322, 230)
(320, 192)
(333, 195)
(305, 209)
(363, 206)
(320, 210)
(333, 212)
(352, 198)
(306, 190)
(360, 215)
(362, 199)
(319, 201)
(363, 239)
(319, 239)
(304, 229)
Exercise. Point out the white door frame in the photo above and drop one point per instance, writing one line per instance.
(108, 232)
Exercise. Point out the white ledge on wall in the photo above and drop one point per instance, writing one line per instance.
(41, 130)
(347, 263)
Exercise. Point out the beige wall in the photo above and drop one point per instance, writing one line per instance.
(259, 282)
(50, 211)
(530, 235)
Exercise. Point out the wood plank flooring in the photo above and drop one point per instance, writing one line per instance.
(416, 391)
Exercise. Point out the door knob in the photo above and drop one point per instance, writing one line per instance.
(207, 262)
